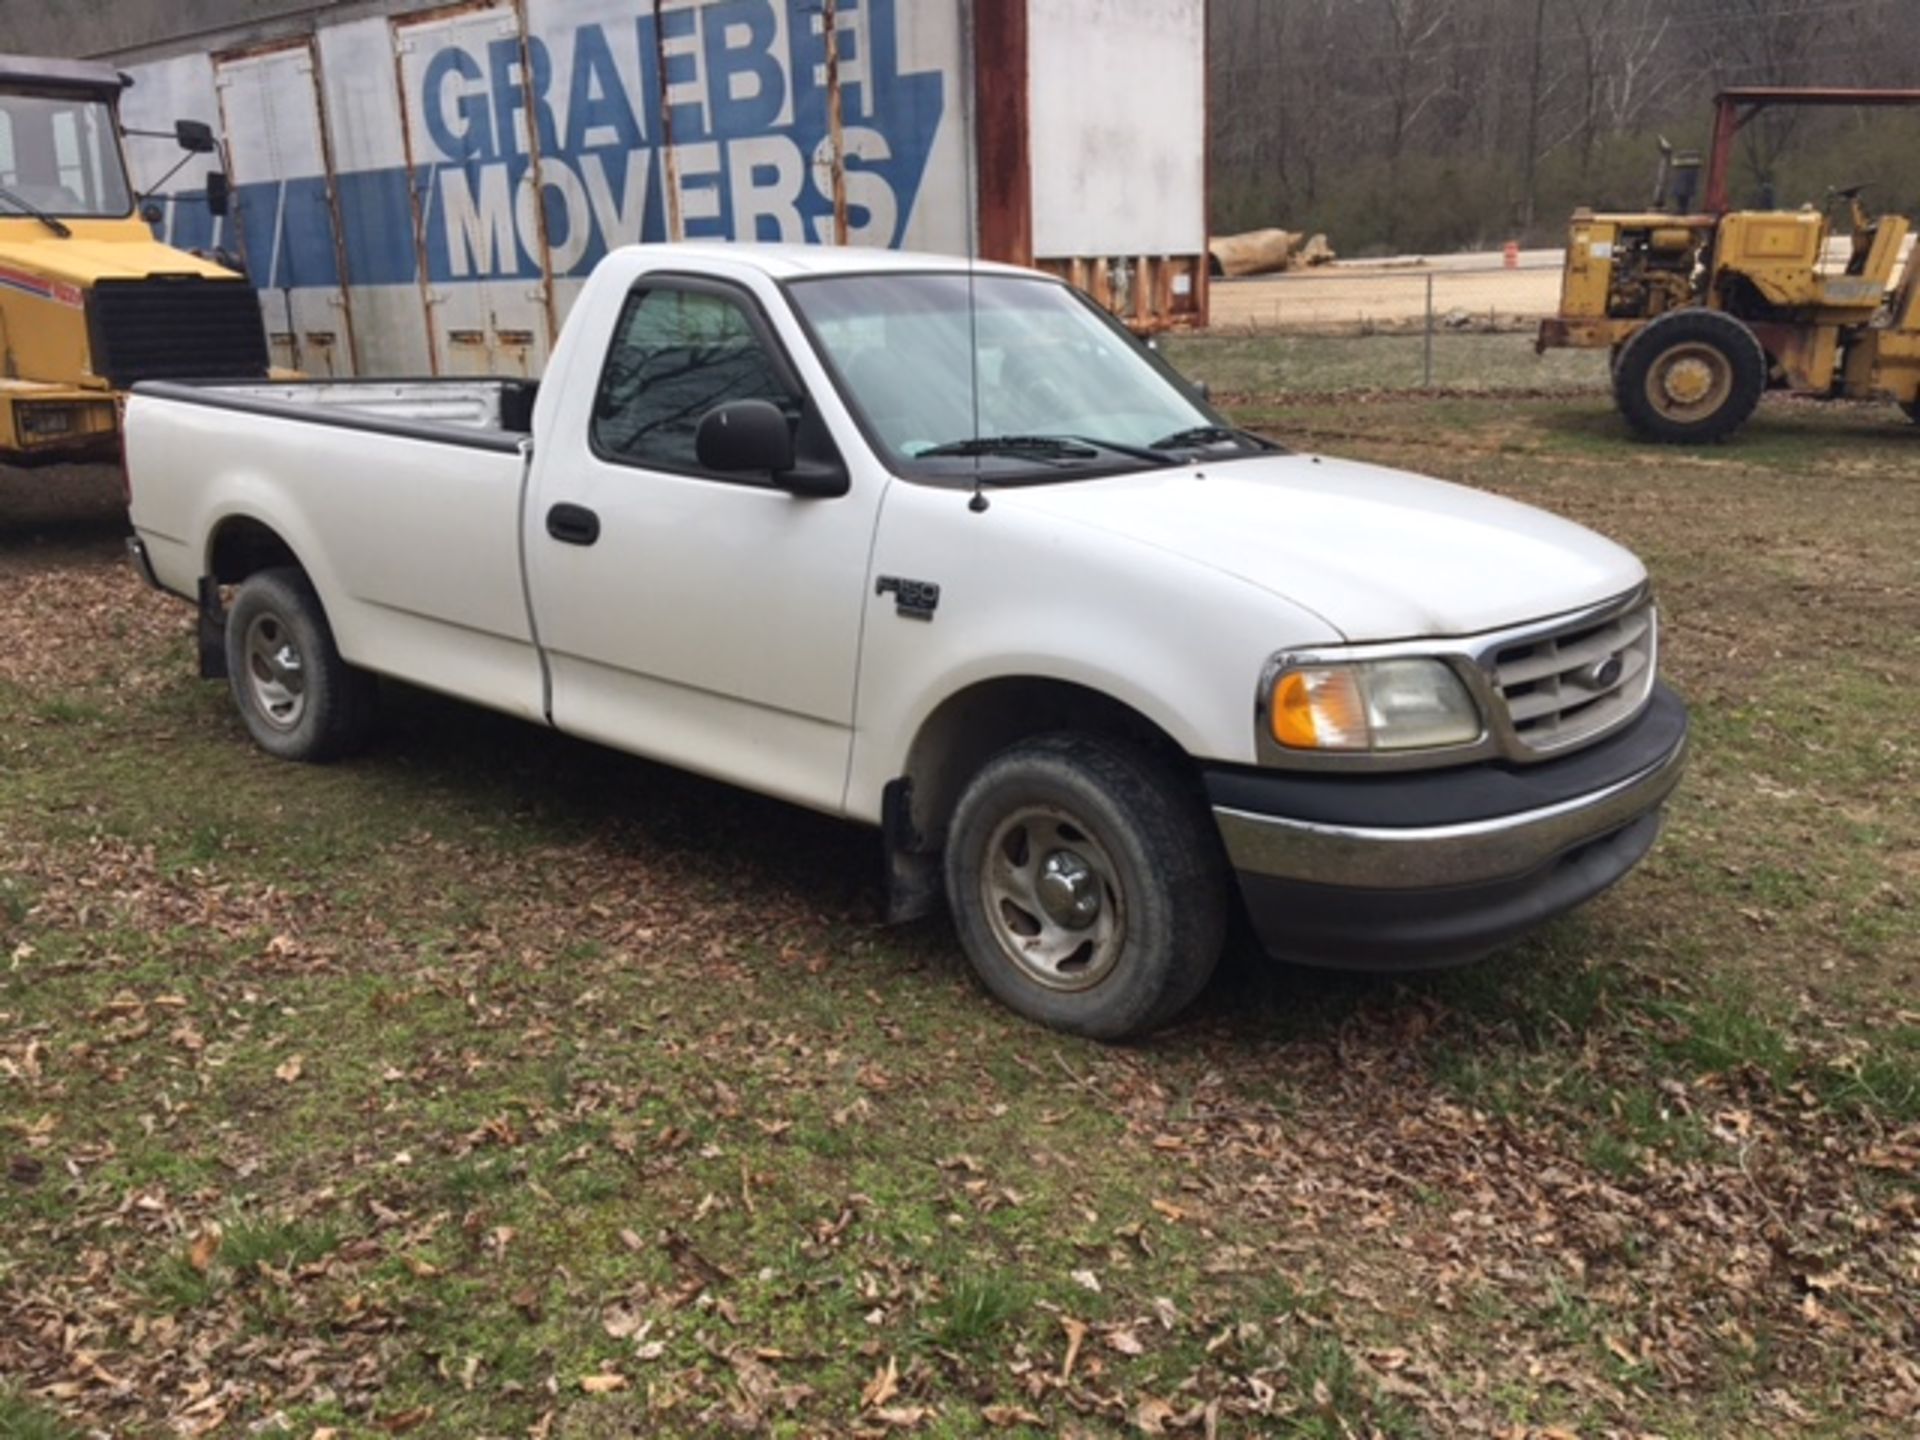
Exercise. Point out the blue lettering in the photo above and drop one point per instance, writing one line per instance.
(745, 81)
(474, 139)
(745, 86)
(596, 101)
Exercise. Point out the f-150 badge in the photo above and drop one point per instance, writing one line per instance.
(915, 599)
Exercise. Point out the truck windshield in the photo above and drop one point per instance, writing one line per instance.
(59, 155)
(1062, 388)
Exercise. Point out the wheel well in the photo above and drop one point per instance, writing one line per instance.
(243, 547)
(972, 726)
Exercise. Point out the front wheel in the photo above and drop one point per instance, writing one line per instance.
(1088, 885)
(1690, 377)
(298, 698)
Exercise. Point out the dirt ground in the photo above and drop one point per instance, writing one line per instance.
(491, 1084)
(1341, 297)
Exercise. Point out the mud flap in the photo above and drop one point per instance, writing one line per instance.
(913, 871)
(213, 631)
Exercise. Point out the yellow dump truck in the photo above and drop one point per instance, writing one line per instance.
(90, 302)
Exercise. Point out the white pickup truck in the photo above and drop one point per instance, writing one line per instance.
(944, 550)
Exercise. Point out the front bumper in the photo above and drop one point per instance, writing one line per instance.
(1430, 868)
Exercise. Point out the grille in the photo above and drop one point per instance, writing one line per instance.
(1567, 686)
(176, 328)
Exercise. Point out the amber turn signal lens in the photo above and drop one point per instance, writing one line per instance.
(1320, 710)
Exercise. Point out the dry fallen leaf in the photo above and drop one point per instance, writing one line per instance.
(1076, 1335)
(1150, 1417)
(406, 1420)
(1005, 1417)
(290, 1071)
(883, 1387)
(603, 1384)
(205, 1246)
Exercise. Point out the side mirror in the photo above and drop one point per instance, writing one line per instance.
(194, 136)
(744, 435)
(753, 436)
(219, 192)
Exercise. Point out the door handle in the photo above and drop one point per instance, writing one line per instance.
(573, 524)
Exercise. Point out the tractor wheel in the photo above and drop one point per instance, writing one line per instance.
(1912, 407)
(1690, 377)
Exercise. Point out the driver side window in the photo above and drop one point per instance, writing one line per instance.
(676, 354)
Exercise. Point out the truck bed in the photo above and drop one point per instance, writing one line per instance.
(477, 411)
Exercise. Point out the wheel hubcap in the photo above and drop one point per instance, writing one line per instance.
(1068, 890)
(1690, 382)
(276, 673)
(1052, 898)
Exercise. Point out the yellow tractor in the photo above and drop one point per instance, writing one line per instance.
(1704, 309)
(90, 302)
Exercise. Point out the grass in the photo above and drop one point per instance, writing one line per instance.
(1260, 365)
(21, 1419)
(500, 1063)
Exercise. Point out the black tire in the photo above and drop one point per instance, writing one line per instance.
(1111, 819)
(1660, 364)
(1913, 411)
(298, 698)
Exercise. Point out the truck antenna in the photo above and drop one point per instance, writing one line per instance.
(978, 503)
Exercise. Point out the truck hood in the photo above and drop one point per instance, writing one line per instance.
(82, 259)
(1378, 554)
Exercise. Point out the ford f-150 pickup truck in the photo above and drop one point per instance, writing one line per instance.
(940, 548)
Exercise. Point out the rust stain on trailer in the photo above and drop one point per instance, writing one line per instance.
(333, 205)
(538, 177)
(836, 127)
(670, 174)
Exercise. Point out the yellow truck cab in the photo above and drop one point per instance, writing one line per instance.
(90, 302)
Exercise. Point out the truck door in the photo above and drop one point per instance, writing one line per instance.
(471, 142)
(707, 620)
(277, 147)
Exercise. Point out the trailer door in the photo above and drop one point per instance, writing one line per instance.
(278, 154)
(478, 232)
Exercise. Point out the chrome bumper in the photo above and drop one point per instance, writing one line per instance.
(1432, 857)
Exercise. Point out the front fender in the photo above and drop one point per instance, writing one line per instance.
(1024, 596)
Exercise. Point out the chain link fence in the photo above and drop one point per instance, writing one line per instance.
(1451, 323)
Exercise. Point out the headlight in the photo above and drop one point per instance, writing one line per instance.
(1372, 705)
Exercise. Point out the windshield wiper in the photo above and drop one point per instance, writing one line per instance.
(1038, 447)
(1041, 447)
(58, 227)
(1201, 435)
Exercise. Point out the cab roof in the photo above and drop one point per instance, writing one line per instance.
(36, 71)
(791, 262)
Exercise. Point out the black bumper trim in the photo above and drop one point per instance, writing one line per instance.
(1454, 797)
(1404, 930)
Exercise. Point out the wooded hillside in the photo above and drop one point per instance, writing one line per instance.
(1438, 124)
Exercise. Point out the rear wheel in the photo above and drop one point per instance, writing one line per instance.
(1088, 885)
(1690, 377)
(298, 698)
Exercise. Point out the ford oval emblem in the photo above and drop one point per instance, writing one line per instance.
(1602, 674)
